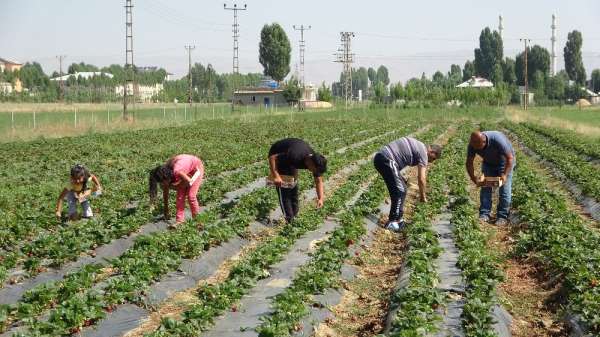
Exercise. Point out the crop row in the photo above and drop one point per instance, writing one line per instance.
(324, 268)
(416, 302)
(154, 255)
(584, 145)
(213, 299)
(581, 172)
(479, 267)
(67, 242)
(561, 240)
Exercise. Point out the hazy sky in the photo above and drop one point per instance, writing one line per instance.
(410, 37)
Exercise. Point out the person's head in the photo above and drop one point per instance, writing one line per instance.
(79, 174)
(162, 174)
(434, 152)
(320, 162)
(478, 140)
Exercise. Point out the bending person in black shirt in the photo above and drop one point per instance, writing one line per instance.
(286, 157)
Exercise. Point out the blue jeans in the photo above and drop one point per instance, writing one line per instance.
(73, 202)
(504, 193)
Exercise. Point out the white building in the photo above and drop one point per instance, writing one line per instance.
(476, 82)
(84, 75)
(6, 88)
(143, 93)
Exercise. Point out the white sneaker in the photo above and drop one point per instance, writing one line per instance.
(395, 226)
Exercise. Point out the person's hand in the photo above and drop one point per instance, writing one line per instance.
(319, 203)
(503, 178)
(58, 214)
(277, 180)
(423, 198)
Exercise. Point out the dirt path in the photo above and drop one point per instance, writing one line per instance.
(365, 303)
(526, 293)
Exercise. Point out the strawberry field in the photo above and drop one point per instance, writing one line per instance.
(237, 269)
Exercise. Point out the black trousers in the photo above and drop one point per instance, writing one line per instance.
(395, 183)
(288, 201)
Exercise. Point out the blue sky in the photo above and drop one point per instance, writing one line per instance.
(410, 37)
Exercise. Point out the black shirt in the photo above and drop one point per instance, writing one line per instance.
(291, 153)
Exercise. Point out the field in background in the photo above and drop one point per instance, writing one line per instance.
(585, 121)
(31, 121)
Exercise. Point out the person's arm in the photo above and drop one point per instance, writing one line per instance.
(96, 182)
(471, 170)
(320, 193)
(59, 203)
(273, 170)
(422, 174)
(184, 177)
(509, 160)
(165, 190)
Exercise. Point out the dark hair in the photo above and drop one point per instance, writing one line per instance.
(78, 171)
(320, 162)
(159, 174)
(436, 149)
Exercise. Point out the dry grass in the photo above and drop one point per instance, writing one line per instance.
(518, 115)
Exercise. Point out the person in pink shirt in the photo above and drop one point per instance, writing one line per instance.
(184, 173)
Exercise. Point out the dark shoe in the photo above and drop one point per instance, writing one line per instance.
(501, 222)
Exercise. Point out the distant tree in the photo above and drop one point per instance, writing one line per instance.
(324, 93)
(489, 53)
(360, 80)
(468, 71)
(372, 74)
(555, 86)
(438, 78)
(397, 91)
(380, 92)
(508, 71)
(497, 74)
(81, 67)
(292, 92)
(33, 77)
(275, 51)
(596, 80)
(573, 59)
(383, 75)
(455, 74)
(538, 59)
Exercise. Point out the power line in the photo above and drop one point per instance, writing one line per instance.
(236, 47)
(189, 51)
(236, 34)
(346, 57)
(61, 81)
(302, 50)
(526, 100)
(129, 66)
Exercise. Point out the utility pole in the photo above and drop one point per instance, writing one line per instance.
(129, 66)
(189, 50)
(236, 47)
(346, 57)
(553, 39)
(61, 81)
(526, 100)
(302, 50)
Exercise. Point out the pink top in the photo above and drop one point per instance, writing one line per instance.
(186, 163)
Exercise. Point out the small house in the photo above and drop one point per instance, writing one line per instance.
(476, 83)
(259, 96)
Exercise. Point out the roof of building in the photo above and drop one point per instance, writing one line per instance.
(84, 74)
(476, 82)
(8, 61)
(248, 91)
(590, 93)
